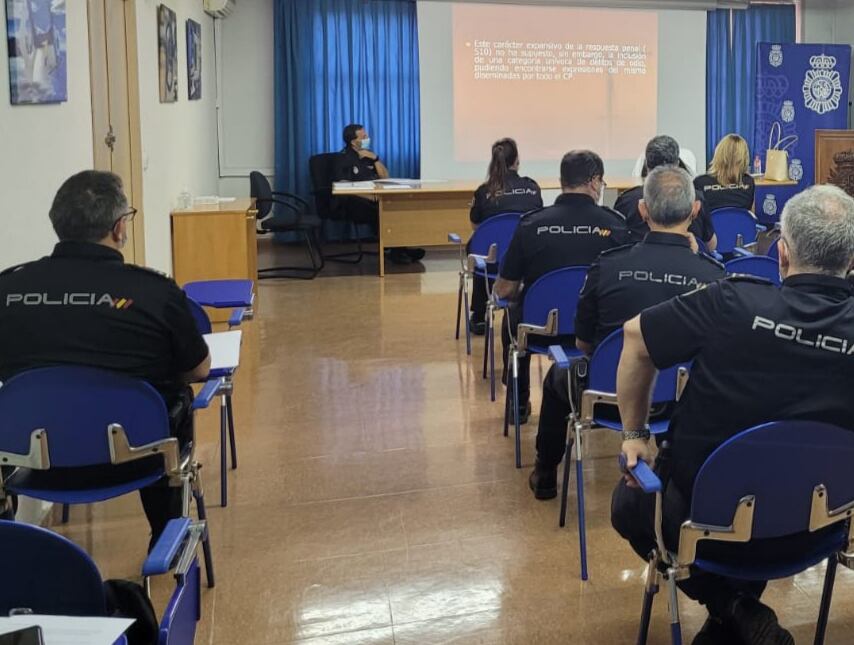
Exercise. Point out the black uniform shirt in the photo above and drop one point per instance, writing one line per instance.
(572, 232)
(729, 195)
(627, 204)
(625, 281)
(520, 195)
(349, 166)
(760, 354)
(84, 306)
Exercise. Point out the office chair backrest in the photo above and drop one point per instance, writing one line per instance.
(262, 192)
(75, 406)
(729, 223)
(558, 289)
(602, 370)
(781, 463)
(498, 230)
(203, 322)
(758, 265)
(47, 573)
(321, 167)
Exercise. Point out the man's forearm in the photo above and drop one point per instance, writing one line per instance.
(506, 289)
(382, 171)
(635, 378)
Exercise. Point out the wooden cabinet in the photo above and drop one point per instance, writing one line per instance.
(215, 242)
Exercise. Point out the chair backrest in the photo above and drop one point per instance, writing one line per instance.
(781, 463)
(498, 230)
(558, 289)
(774, 250)
(602, 370)
(75, 406)
(729, 223)
(47, 573)
(178, 625)
(262, 192)
(758, 265)
(203, 321)
(321, 168)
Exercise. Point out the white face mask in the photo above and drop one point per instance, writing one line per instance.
(365, 143)
(601, 200)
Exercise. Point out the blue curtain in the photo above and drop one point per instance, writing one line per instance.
(345, 61)
(731, 39)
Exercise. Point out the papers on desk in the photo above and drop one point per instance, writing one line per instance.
(353, 185)
(224, 347)
(70, 630)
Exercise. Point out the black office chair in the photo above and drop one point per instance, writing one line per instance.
(322, 170)
(296, 218)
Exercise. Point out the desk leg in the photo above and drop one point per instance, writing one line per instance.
(381, 249)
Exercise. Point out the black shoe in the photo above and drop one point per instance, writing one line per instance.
(399, 256)
(415, 254)
(756, 624)
(543, 481)
(477, 328)
(525, 413)
(714, 632)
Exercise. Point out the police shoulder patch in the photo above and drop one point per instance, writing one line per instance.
(617, 249)
(15, 268)
(149, 271)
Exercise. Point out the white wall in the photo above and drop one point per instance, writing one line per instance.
(41, 146)
(178, 139)
(245, 43)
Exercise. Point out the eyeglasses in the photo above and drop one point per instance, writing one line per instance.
(126, 216)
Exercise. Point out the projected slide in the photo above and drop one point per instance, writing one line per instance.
(554, 77)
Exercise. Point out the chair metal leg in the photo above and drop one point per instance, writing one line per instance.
(826, 598)
(466, 323)
(579, 489)
(567, 460)
(508, 410)
(492, 359)
(199, 496)
(344, 257)
(459, 306)
(65, 511)
(517, 424)
(490, 318)
(229, 407)
(315, 257)
(223, 475)
(650, 589)
(673, 607)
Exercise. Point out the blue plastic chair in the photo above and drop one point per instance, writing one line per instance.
(735, 227)
(50, 575)
(487, 245)
(73, 417)
(773, 480)
(774, 250)
(602, 391)
(226, 409)
(225, 294)
(547, 310)
(757, 265)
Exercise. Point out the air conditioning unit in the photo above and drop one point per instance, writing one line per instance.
(219, 8)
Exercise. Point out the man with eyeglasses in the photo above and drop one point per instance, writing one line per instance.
(82, 305)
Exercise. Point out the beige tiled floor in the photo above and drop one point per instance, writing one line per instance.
(376, 500)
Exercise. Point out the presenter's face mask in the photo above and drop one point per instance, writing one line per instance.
(365, 143)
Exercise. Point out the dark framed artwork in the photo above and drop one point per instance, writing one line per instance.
(194, 60)
(834, 158)
(36, 41)
(167, 38)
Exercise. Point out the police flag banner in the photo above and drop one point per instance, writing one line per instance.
(799, 89)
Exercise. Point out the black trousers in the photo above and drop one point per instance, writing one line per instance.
(554, 410)
(361, 211)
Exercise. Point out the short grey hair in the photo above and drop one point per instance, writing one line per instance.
(661, 150)
(818, 228)
(669, 195)
(87, 206)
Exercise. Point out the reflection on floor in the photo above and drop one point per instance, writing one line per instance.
(377, 500)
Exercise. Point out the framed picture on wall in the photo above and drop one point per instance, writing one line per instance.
(194, 60)
(834, 158)
(35, 36)
(167, 37)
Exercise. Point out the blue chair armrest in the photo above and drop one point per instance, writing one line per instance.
(163, 555)
(558, 355)
(236, 317)
(453, 238)
(717, 256)
(479, 262)
(207, 393)
(761, 228)
(643, 475)
(741, 252)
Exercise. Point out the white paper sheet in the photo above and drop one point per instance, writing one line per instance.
(353, 185)
(70, 630)
(224, 347)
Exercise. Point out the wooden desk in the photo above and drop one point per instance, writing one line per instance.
(215, 242)
(423, 215)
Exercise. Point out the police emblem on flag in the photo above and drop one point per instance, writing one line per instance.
(822, 85)
(788, 112)
(769, 206)
(775, 57)
(796, 170)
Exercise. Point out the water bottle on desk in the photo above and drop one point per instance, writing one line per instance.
(757, 165)
(185, 199)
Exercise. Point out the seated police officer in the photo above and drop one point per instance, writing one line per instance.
(357, 162)
(504, 191)
(82, 305)
(621, 283)
(572, 232)
(663, 151)
(756, 357)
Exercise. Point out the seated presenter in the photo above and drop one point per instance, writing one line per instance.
(727, 183)
(504, 191)
(83, 305)
(357, 162)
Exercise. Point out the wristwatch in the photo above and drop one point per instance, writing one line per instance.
(630, 435)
